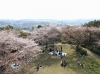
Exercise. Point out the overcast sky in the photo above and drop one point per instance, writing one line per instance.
(49, 9)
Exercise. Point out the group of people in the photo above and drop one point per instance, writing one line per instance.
(63, 63)
(51, 49)
(55, 51)
(80, 64)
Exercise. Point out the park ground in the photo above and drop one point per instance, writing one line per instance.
(51, 64)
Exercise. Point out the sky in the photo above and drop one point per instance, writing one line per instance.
(49, 9)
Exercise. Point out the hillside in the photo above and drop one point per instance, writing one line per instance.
(20, 51)
(51, 64)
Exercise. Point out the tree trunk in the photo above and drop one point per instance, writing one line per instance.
(77, 46)
(90, 39)
(46, 47)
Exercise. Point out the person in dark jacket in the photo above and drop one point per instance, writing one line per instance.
(38, 67)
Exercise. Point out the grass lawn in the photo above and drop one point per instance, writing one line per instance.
(51, 64)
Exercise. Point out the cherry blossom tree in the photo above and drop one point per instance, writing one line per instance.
(45, 35)
(89, 36)
(93, 36)
(75, 35)
(13, 48)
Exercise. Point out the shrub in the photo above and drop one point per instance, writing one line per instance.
(93, 50)
(8, 27)
(79, 48)
(96, 51)
(39, 26)
(22, 33)
(84, 52)
(83, 45)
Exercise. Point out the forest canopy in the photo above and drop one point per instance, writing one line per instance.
(95, 23)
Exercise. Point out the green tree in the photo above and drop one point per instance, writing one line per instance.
(22, 33)
(39, 26)
(95, 23)
(8, 27)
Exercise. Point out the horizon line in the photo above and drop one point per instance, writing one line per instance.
(56, 19)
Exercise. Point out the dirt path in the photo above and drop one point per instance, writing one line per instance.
(92, 54)
(89, 52)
